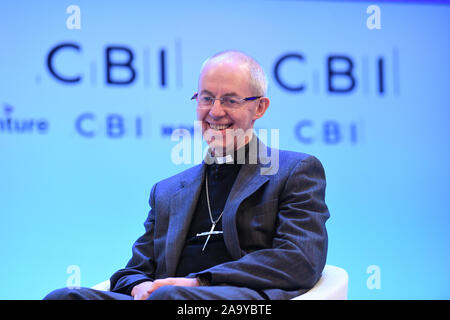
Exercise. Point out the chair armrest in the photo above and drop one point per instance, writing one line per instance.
(333, 285)
(103, 286)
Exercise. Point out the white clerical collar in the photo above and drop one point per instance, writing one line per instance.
(221, 160)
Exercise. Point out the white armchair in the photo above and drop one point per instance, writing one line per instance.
(103, 286)
(333, 285)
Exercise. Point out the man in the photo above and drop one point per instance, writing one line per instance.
(228, 229)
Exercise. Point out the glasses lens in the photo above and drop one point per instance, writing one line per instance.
(231, 102)
(204, 101)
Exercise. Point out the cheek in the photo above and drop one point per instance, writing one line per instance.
(241, 119)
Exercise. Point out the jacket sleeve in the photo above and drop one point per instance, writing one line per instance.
(141, 266)
(299, 247)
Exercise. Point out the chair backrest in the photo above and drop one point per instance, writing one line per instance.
(333, 285)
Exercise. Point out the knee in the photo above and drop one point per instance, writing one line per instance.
(168, 293)
(65, 294)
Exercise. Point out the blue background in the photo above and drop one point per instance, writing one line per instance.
(77, 195)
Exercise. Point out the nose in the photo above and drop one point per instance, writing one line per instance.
(217, 110)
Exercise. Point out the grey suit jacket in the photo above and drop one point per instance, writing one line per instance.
(274, 228)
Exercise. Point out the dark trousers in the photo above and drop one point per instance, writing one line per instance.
(162, 293)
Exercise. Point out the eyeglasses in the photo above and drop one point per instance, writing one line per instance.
(205, 101)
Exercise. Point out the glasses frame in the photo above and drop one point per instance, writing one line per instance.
(222, 102)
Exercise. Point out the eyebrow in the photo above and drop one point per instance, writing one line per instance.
(230, 94)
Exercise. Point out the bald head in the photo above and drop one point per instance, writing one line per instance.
(257, 77)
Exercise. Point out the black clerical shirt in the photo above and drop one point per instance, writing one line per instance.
(221, 178)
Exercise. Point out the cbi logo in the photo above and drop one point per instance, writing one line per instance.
(339, 73)
(112, 125)
(119, 65)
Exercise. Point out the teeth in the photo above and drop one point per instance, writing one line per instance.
(219, 126)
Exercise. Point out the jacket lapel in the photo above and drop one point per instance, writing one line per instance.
(248, 181)
(251, 177)
(182, 207)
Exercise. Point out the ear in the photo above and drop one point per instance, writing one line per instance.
(264, 103)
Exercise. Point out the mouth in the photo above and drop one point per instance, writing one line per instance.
(219, 127)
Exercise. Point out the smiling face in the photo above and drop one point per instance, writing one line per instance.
(223, 128)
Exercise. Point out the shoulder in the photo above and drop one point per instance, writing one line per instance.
(292, 156)
(166, 188)
(289, 160)
(182, 177)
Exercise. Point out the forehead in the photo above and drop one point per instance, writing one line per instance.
(225, 74)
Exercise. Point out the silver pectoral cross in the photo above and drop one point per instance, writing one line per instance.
(208, 233)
